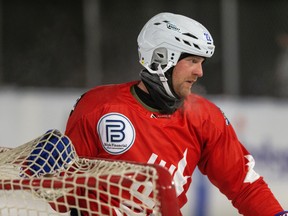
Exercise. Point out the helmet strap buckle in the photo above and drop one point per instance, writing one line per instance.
(161, 73)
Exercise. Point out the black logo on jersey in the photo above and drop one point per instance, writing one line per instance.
(116, 132)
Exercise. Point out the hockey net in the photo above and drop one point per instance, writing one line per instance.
(46, 177)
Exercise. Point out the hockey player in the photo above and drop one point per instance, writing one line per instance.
(158, 119)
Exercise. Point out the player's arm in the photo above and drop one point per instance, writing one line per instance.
(230, 167)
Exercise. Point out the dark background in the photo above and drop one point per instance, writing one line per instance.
(44, 42)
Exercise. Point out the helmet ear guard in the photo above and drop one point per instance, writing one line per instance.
(159, 66)
(160, 55)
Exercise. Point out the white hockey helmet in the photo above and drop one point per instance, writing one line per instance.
(166, 36)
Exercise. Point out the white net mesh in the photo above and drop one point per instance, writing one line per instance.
(46, 177)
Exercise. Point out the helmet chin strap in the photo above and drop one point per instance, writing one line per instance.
(162, 77)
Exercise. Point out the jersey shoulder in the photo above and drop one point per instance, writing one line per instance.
(195, 101)
(101, 96)
(205, 108)
(109, 92)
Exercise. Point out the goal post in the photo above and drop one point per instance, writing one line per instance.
(46, 177)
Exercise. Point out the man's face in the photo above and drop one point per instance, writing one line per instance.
(186, 73)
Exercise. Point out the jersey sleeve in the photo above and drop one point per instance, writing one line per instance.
(80, 127)
(81, 135)
(229, 166)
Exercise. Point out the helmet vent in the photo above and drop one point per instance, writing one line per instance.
(160, 55)
(177, 39)
(186, 42)
(196, 46)
(190, 35)
(159, 23)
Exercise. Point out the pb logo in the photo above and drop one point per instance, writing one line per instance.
(116, 133)
(114, 130)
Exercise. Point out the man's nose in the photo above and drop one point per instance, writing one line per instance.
(198, 70)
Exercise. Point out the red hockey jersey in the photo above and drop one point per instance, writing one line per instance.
(111, 122)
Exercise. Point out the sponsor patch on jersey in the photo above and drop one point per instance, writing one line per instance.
(116, 132)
